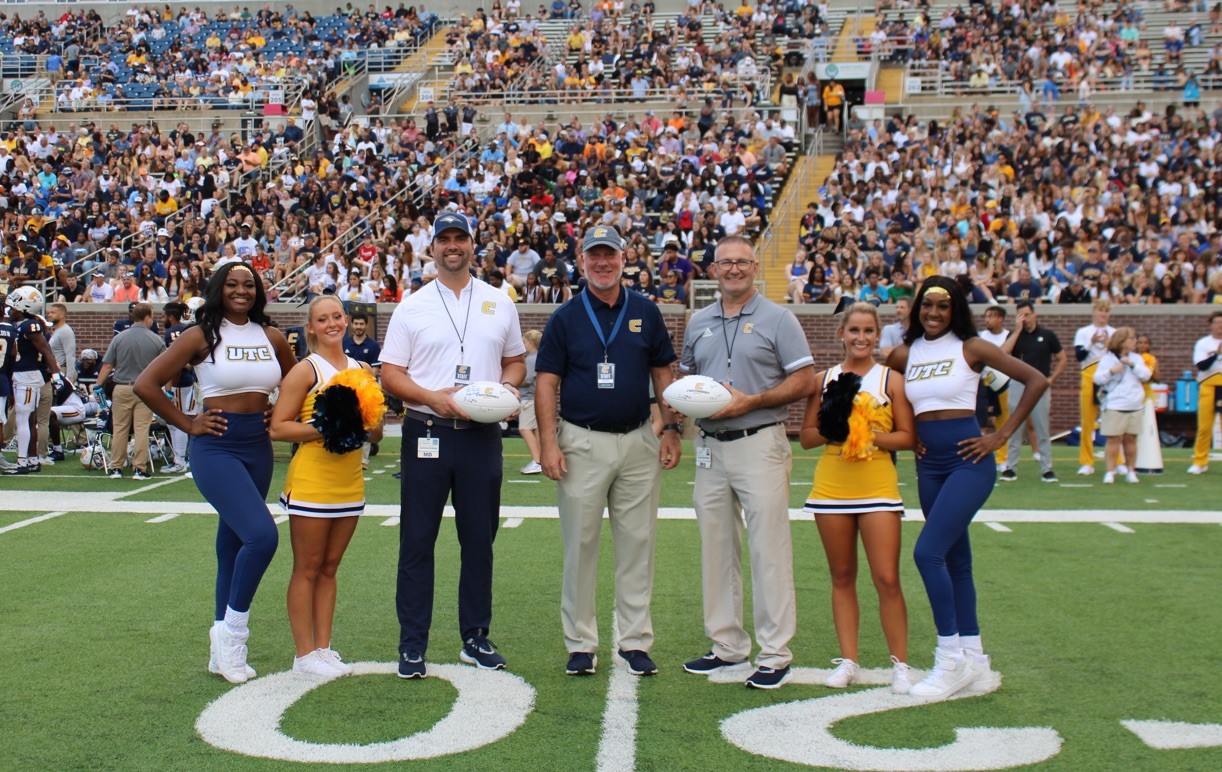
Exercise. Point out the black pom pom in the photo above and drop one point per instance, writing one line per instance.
(837, 406)
(337, 416)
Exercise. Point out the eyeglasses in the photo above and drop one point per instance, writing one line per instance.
(727, 265)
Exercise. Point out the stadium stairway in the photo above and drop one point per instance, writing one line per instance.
(846, 42)
(420, 62)
(891, 83)
(810, 172)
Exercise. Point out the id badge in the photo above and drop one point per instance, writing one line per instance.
(704, 457)
(428, 447)
(606, 375)
(462, 375)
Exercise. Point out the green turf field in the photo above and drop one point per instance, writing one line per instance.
(106, 616)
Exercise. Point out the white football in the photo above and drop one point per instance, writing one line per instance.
(487, 402)
(697, 396)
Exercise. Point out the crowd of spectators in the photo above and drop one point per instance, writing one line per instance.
(624, 54)
(1046, 50)
(1120, 205)
(672, 184)
(160, 59)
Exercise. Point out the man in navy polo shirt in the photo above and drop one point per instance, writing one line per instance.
(602, 350)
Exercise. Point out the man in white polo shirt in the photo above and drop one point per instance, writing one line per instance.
(743, 461)
(450, 334)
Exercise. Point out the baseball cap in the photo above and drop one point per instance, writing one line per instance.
(448, 220)
(602, 235)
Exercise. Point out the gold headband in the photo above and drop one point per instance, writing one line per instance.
(241, 267)
(938, 291)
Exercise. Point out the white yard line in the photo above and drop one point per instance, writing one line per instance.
(31, 521)
(163, 518)
(110, 503)
(281, 519)
(152, 486)
(997, 527)
(512, 522)
(390, 521)
(617, 747)
(1118, 528)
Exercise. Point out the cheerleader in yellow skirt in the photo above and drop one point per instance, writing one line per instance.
(861, 414)
(324, 490)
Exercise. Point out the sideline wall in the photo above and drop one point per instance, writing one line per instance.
(1173, 330)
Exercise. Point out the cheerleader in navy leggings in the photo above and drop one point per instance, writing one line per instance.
(239, 360)
(941, 359)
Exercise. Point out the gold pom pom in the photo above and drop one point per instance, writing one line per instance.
(368, 394)
(867, 416)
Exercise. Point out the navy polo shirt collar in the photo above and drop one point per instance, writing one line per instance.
(597, 304)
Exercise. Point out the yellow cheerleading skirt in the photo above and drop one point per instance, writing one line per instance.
(843, 487)
(323, 484)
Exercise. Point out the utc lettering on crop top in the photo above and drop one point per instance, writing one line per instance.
(245, 362)
(938, 376)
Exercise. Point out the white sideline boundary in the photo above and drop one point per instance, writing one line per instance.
(115, 503)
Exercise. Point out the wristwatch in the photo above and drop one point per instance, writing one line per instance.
(676, 428)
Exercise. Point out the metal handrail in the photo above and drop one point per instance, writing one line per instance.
(934, 80)
(259, 96)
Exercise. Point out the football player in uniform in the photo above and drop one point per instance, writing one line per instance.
(33, 355)
(8, 348)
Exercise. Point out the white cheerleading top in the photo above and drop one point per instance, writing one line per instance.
(245, 362)
(938, 377)
(873, 383)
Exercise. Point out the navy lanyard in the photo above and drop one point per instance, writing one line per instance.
(585, 299)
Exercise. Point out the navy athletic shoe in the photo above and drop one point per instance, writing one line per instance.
(639, 662)
(581, 663)
(411, 665)
(769, 677)
(56, 455)
(707, 664)
(479, 651)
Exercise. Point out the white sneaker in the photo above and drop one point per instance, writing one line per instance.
(174, 469)
(1132, 477)
(212, 666)
(534, 467)
(1122, 469)
(987, 679)
(1109, 478)
(46, 461)
(230, 654)
(313, 664)
(949, 676)
(332, 658)
(844, 674)
(1086, 470)
(1198, 469)
(901, 676)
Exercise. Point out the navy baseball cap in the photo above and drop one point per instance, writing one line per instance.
(448, 220)
(602, 235)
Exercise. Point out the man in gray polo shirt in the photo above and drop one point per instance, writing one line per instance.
(743, 461)
(129, 354)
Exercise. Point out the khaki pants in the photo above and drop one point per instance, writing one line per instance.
(129, 415)
(747, 481)
(619, 472)
(43, 416)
